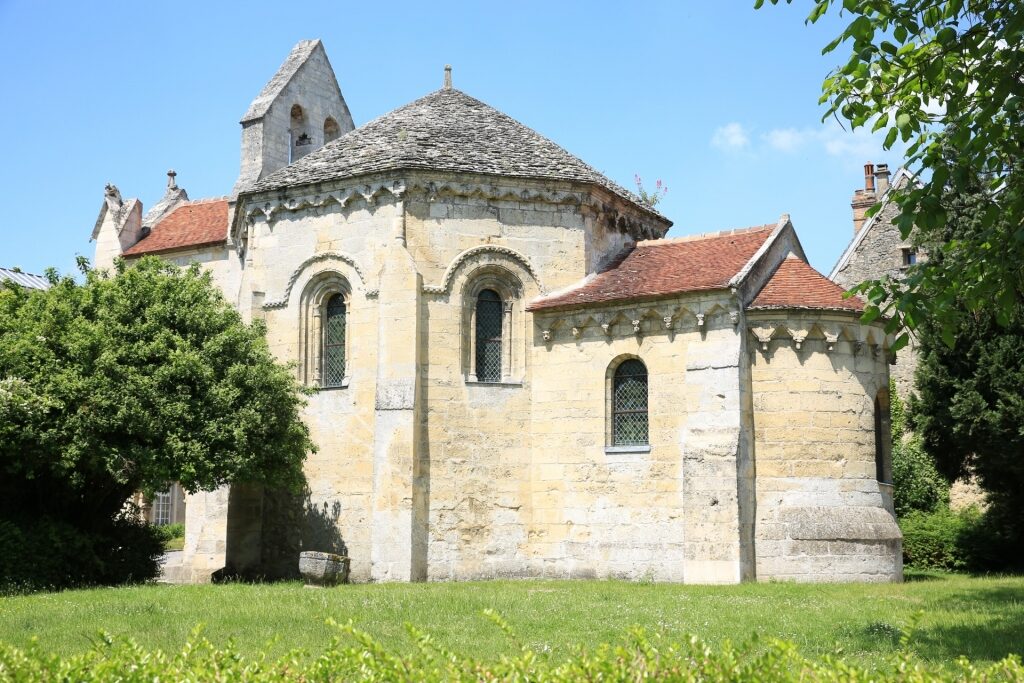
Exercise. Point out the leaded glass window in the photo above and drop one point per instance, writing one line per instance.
(489, 314)
(629, 404)
(334, 342)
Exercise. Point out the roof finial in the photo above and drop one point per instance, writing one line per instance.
(447, 76)
(171, 184)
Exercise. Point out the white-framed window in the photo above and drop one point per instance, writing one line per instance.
(162, 508)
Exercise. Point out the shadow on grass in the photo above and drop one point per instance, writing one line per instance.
(991, 626)
(916, 575)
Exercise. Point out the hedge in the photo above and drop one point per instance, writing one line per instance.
(355, 655)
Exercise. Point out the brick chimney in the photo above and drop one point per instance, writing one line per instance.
(865, 199)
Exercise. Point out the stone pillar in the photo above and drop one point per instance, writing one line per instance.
(206, 523)
(714, 464)
(398, 530)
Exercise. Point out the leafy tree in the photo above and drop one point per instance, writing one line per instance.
(968, 409)
(931, 73)
(132, 381)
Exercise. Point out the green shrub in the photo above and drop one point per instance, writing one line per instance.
(917, 483)
(47, 554)
(169, 532)
(360, 657)
(940, 539)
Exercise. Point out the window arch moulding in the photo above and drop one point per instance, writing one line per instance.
(325, 339)
(497, 293)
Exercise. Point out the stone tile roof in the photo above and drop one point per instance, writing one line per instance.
(446, 130)
(24, 279)
(664, 267)
(797, 285)
(298, 56)
(200, 223)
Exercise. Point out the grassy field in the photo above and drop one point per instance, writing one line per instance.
(982, 618)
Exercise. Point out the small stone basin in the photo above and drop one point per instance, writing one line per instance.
(323, 569)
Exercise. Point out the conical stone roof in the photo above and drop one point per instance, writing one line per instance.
(446, 130)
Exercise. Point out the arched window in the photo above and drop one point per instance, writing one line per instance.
(300, 142)
(334, 342)
(489, 323)
(331, 130)
(883, 438)
(629, 404)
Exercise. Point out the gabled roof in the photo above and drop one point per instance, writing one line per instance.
(302, 51)
(795, 284)
(201, 223)
(446, 130)
(24, 279)
(664, 267)
(902, 177)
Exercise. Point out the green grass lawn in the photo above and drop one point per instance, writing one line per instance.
(982, 618)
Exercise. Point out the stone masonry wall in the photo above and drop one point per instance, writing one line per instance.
(880, 255)
(668, 513)
(821, 513)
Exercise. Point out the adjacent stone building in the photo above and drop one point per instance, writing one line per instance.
(518, 375)
(878, 251)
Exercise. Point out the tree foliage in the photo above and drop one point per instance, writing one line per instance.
(132, 381)
(933, 73)
(968, 409)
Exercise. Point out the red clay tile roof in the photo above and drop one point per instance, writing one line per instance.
(796, 285)
(663, 267)
(200, 223)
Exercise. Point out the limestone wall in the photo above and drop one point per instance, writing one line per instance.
(822, 515)
(668, 512)
(221, 262)
(544, 222)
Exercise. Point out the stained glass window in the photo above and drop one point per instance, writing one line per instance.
(629, 404)
(488, 336)
(334, 342)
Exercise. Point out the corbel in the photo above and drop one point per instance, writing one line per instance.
(764, 336)
(734, 318)
(798, 337)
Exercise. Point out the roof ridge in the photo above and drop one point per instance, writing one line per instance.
(297, 57)
(705, 235)
(204, 200)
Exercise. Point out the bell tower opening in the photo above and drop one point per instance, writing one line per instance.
(331, 130)
(301, 141)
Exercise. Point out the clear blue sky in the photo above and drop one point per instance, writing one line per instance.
(716, 99)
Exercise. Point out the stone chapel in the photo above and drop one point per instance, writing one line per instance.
(518, 374)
